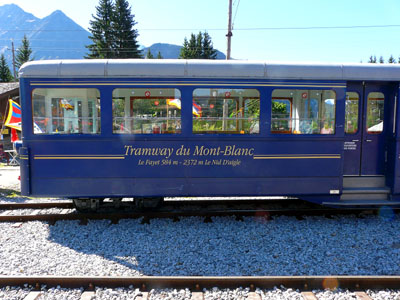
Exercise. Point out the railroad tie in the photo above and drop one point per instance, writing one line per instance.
(309, 296)
(253, 296)
(87, 295)
(33, 296)
(197, 296)
(362, 296)
(145, 296)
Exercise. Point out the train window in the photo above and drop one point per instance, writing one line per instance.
(351, 116)
(66, 111)
(226, 111)
(281, 114)
(146, 111)
(303, 111)
(375, 112)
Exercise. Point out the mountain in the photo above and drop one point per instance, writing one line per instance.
(171, 51)
(55, 36)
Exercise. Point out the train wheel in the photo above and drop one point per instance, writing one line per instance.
(148, 202)
(87, 205)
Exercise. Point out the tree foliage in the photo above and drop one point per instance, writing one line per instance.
(372, 59)
(125, 37)
(101, 30)
(113, 35)
(199, 46)
(149, 55)
(24, 53)
(5, 73)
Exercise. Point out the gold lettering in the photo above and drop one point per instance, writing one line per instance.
(202, 151)
(233, 151)
(127, 149)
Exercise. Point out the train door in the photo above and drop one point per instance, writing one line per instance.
(365, 126)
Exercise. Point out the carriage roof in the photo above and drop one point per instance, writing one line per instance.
(232, 69)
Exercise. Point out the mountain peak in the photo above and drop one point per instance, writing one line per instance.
(57, 13)
(12, 10)
(55, 36)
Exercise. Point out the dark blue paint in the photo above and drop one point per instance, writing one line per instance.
(311, 179)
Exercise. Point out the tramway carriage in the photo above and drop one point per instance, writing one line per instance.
(147, 129)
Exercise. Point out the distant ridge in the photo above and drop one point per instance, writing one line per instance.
(171, 51)
(56, 36)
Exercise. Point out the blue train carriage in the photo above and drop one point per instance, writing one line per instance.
(146, 129)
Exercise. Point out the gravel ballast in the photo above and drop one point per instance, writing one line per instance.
(283, 246)
(343, 245)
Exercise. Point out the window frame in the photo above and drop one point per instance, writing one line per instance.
(358, 114)
(302, 90)
(383, 120)
(97, 101)
(131, 100)
(238, 108)
(290, 99)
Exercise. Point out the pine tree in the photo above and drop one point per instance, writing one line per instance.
(5, 73)
(193, 47)
(381, 60)
(391, 60)
(208, 50)
(24, 53)
(184, 53)
(159, 56)
(102, 31)
(372, 59)
(198, 52)
(149, 55)
(125, 37)
(198, 47)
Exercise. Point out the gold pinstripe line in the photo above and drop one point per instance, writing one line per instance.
(79, 157)
(298, 157)
(187, 84)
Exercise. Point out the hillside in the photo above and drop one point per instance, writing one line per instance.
(56, 36)
(171, 51)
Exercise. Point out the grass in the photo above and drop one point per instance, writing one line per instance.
(9, 193)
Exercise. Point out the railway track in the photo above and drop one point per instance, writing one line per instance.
(172, 209)
(307, 285)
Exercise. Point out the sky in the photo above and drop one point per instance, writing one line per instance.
(263, 29)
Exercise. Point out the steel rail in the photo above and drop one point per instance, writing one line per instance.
(197, 283)
(202, 202)
(207, 214)
(41, 205)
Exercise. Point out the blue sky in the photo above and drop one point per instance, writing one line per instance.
(159, 19)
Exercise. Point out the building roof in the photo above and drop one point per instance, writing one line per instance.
(179, 68)
(6, 87)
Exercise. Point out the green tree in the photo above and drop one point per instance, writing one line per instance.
(391, 60)
(149, 55)
(125, 36)
(5, 73)
(208, 50)
(381, 60)
(24, 53)
(159, 56)
(184, 53)
(198, 47)
(372, 59)
(102, 31)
